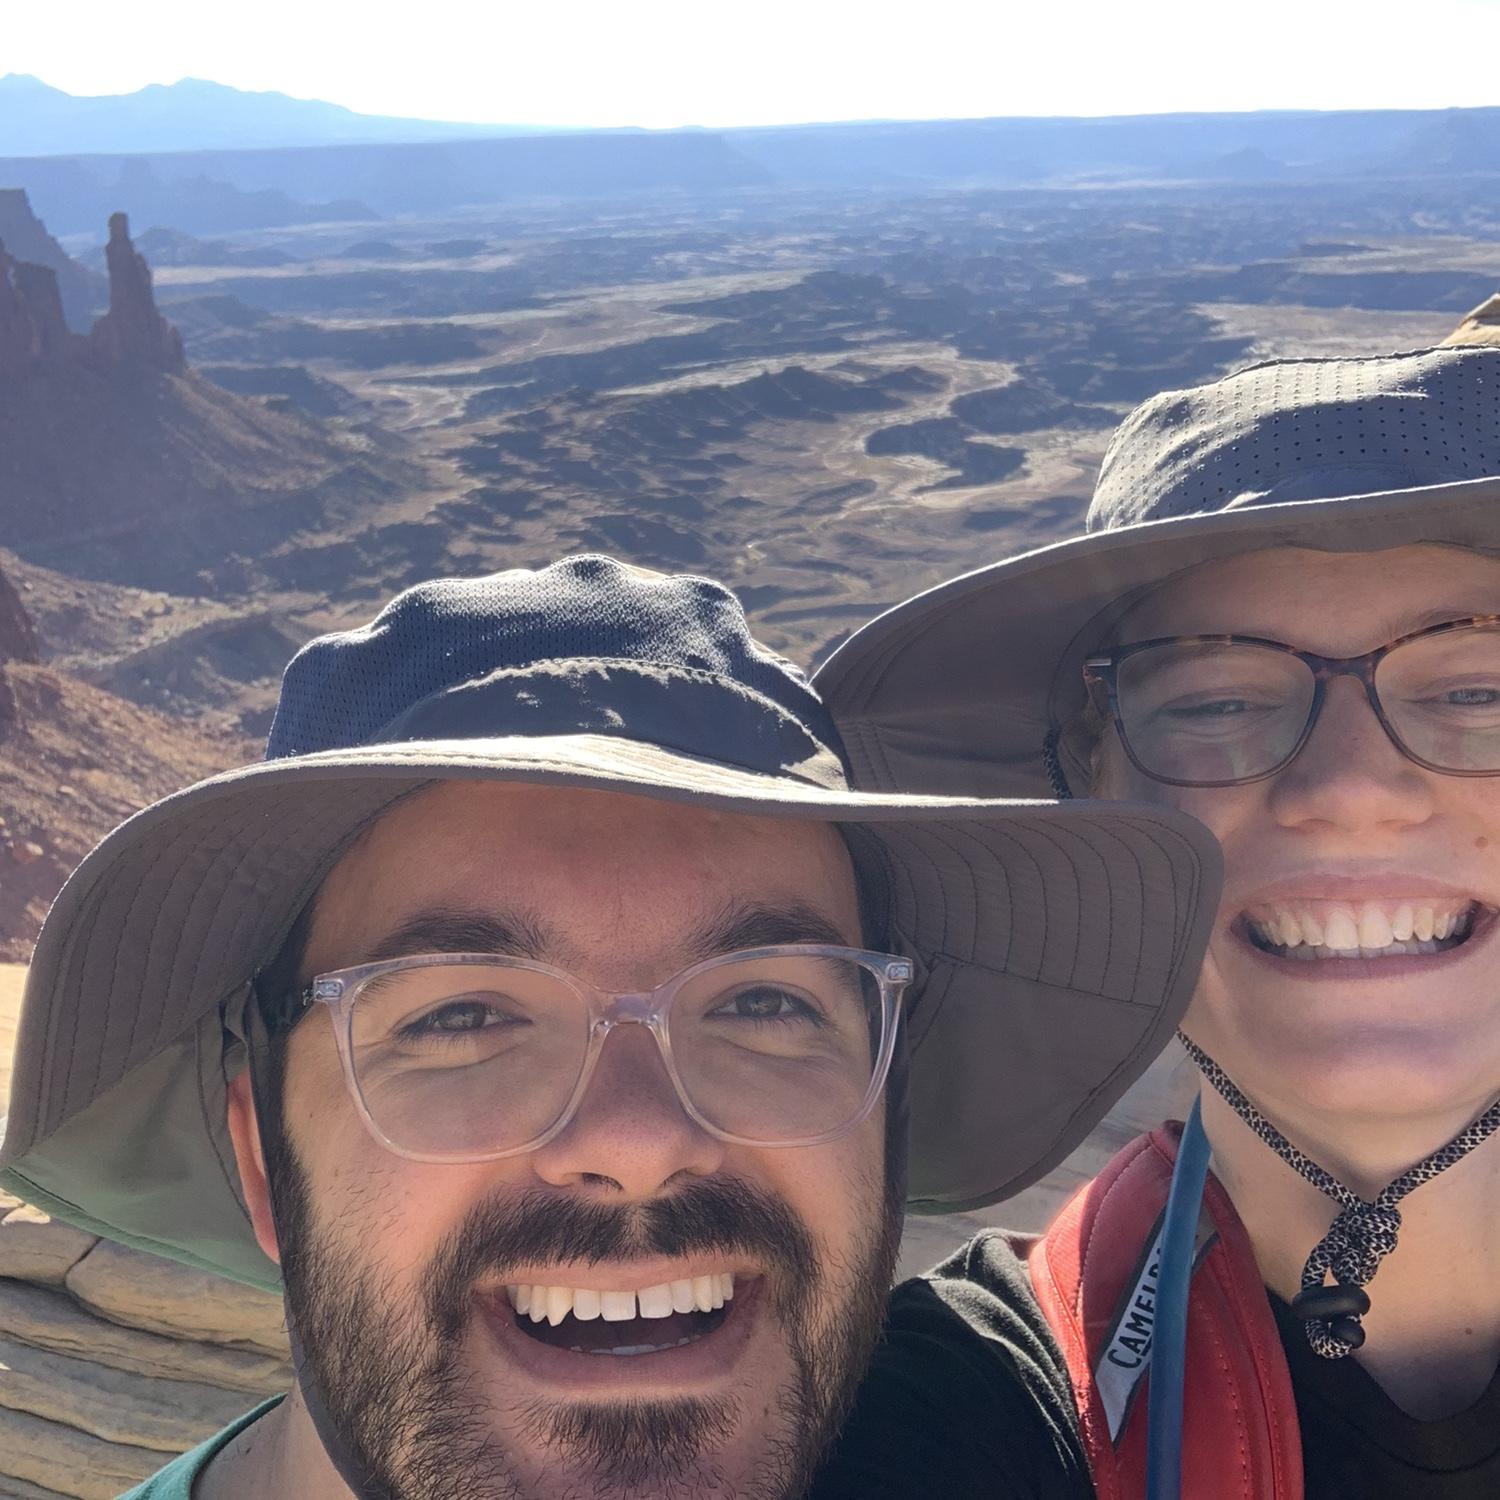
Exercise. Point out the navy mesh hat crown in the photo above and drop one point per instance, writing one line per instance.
(1304, 429)
(586, 646)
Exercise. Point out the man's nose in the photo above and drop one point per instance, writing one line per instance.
(630, 1135)
(1350, 774)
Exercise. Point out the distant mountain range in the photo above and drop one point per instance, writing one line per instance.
(191, 115)
(244, 172)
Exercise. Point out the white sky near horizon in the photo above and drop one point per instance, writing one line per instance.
(662, 63)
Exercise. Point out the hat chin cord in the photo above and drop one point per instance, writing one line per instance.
(1052, 764)
(1364, 1231)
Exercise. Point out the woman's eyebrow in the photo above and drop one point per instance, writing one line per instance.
(1398, 628)
(1442, 615)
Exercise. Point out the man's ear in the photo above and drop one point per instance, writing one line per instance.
(244, 1133)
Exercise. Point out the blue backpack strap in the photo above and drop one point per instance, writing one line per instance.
(1169, 1343)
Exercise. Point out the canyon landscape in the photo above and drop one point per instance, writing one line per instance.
(245, 396)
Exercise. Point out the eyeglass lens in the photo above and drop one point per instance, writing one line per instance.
(1214, 713)
(472, 1058)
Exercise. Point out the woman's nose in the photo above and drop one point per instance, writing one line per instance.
(1350, 773)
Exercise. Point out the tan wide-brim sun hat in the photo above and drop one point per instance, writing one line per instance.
(1056, 947)
(958, 689)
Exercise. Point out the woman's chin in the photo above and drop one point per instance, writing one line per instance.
(1352, 1048)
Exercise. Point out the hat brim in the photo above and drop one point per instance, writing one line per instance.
(1057, 947)
(954, 690)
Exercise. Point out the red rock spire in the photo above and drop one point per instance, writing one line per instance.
(133, 331)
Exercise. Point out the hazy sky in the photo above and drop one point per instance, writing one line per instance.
(707, 62)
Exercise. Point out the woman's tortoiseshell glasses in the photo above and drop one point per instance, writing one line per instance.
(1223, 710)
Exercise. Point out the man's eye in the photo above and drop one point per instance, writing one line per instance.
(764, 1002)
(456, 1017)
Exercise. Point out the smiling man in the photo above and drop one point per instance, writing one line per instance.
(476, 1229)
(547, 1015)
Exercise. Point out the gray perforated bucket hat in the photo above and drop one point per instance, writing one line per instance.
(1055, 946)
(961, 689)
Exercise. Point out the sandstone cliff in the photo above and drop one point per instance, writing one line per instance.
(34, 332)
(112, 1362)
(26, 236)
(17, 643)
(17, 634)
(120, 462)
(74, 761)
(132, 331)
(1482, 326)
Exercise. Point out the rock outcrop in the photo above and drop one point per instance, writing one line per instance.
(27, 239)
(74, 762)
(37, 288)
(34, 331)
(17, 634)
(17, 643)
(133, 331)
(112, 1362)
(1482, 326)
(31, 319)
(118, 461)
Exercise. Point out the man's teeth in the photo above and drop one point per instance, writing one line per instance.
(1369, 930)
(551, 1304)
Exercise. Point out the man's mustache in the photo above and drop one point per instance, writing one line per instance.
(708, 1217)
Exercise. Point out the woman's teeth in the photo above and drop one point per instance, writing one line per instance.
(1370, 930)
(552, 1304)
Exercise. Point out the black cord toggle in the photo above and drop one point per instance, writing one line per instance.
(1364, 1231)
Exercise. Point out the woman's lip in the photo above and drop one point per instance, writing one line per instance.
(1332, 885)
(1342, 970)
(681, 1370)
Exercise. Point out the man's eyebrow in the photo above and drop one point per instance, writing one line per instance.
(756, 924)
(455, 930)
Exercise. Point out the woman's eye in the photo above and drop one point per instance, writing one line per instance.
(1211, 708)
(1472, 697)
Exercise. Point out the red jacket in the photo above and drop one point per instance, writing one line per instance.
(1094, 1272)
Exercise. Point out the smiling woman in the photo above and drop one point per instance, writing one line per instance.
(1282, 621)
(1352, 852)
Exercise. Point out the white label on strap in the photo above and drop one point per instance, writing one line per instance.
(1126, 1356)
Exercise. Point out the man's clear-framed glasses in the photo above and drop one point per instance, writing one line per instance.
(1225, 710)
(472, 1057)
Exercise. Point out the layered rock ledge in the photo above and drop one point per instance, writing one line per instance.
(113, 1361)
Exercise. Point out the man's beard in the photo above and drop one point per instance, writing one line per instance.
(388, 1368)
